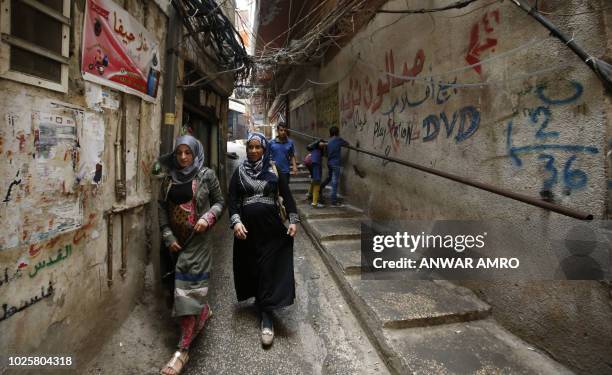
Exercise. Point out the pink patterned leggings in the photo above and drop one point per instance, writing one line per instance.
(190, 327)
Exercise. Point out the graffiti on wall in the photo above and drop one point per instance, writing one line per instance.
(61, 255)
(481, 38)
(10, 276)
(460, 125)
(45, 292)
(435, 92)
(392, 116)
(362, 92)
(560, 160)
(389, 102)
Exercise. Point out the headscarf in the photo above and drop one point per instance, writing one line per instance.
(258, 169)
(182, 175)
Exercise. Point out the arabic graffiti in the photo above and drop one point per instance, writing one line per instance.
(539, 119)
(362, 93)
(9, 310)
(438, 92)
(6, 279)
(52, 260)
(15, 182)
(357, 120)
(81, 233)
(477, 45)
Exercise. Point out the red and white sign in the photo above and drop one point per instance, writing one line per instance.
(118, 51)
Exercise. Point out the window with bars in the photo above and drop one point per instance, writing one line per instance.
(34, 42)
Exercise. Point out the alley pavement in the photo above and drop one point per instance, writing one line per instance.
(317, 335)
(339, 324)
(419, 326)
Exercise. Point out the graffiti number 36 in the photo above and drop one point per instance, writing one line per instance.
(572, 178)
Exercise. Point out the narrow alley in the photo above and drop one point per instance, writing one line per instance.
(319, 335)
(306, 187)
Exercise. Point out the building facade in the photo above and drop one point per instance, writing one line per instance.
(79, 200)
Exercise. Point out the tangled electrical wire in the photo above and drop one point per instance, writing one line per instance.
(215, 36)
(306, 40)
(321, 33)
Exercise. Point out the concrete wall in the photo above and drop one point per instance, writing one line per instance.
(84, 306)
(540, 89)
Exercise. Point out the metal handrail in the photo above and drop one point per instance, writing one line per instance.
(477, 184)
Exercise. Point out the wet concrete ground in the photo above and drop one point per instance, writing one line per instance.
(317, 335)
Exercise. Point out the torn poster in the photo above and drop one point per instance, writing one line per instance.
(39, 195)
(91, 142)
(18, 124)
(98, 97)
(53, 133)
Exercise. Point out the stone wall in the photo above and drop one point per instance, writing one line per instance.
(408, 87)
(95, 275)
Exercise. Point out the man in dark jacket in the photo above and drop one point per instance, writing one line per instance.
(334, 163)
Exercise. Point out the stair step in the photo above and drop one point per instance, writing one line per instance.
(299, 179)
(347, 255)
(308, 212)
(299, 187)
(415, 303)
(302, 174)
(336, 229)
(479, 347)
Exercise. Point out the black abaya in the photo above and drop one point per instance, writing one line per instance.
(263, 262)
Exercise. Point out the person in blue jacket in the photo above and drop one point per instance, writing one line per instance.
(316, 149)
(334, 163)
(282, 152)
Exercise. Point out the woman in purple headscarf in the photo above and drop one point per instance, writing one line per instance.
(263, 246)
(190, 203)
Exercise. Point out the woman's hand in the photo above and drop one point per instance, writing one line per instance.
(292, 230)
(175, 247)
(240, 231)
(201, 226)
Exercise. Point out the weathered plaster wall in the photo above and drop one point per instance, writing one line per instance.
(83, 307)
(540, 126)
(414, 121)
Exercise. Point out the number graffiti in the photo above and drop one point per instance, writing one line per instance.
(540, 117)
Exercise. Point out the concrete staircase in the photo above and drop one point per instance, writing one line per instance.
(419, 326)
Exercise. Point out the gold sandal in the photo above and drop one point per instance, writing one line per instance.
(173, 362)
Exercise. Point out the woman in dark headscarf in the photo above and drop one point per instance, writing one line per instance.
(190, 203)
(263, 246)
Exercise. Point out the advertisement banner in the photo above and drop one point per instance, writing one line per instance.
(118, 51)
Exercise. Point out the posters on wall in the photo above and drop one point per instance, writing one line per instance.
(118, 51)
(91, 141)
(98, 98)
(49, 149)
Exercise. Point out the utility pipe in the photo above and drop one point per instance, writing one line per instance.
(170, 77)
(480, 185)
(117, 209)
(109, 250)
(602, 69)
